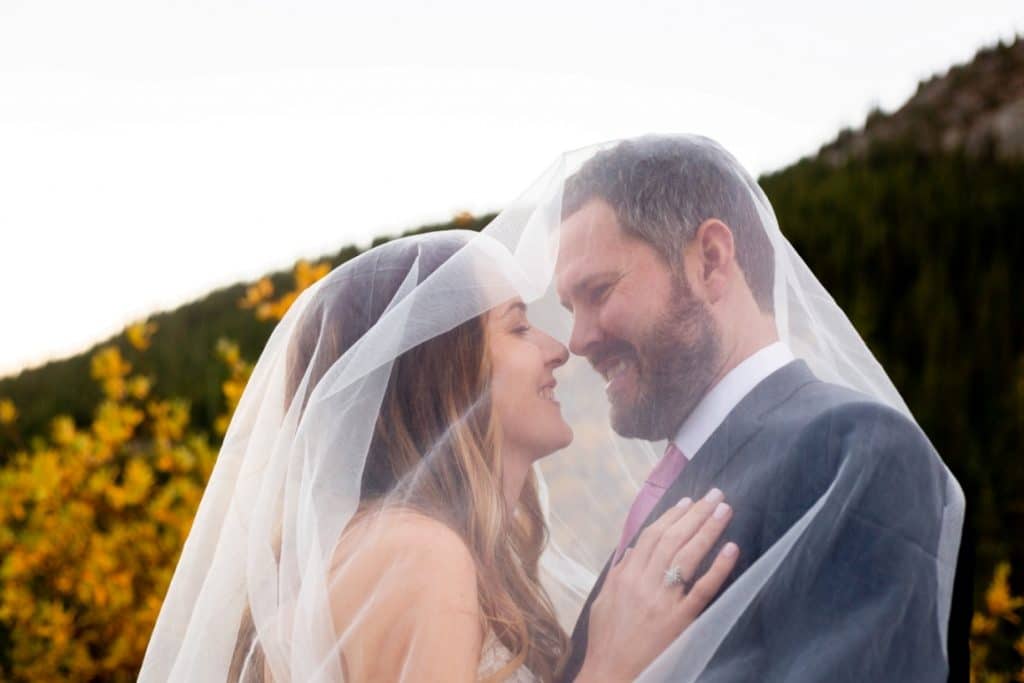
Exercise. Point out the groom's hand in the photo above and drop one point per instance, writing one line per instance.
(653, 593)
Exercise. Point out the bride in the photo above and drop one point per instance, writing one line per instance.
(382, 507)
(385, 521)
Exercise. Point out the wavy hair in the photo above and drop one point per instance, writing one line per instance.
(436, 449)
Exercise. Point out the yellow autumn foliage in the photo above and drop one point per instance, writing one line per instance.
(8, 411)
(997, 643)
(258, 296)
(255, 294)
(1002, 604)
(238, 375)
(139, 334)
(93, 517)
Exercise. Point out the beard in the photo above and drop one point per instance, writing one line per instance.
(677, 359)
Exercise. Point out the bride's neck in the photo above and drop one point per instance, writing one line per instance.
(514, 468)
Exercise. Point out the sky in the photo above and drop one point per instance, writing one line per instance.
(153, 150)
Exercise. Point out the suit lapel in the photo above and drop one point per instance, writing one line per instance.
(742, 423)
(580, 634)
(593, 594)
(738, 428)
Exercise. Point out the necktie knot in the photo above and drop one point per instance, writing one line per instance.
(668, 468)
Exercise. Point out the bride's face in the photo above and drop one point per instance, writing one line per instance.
(523, 361)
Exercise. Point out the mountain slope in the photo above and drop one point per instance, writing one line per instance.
(181, 359)
(975, 108)
(913, 223)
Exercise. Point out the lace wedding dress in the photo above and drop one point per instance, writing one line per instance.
(494, 656)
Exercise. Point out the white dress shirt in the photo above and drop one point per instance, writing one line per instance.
(724, 396)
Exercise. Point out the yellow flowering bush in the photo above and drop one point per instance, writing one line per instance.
(92, 518)
(997, 640)
(463, 219)
(138, 334)
(8, 423)
(238, 375)
(8, 411)
(259, 296)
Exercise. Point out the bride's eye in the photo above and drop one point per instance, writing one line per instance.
(521, 329)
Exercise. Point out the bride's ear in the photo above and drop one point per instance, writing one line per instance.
(714, 258)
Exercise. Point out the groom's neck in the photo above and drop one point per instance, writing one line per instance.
(744, 345)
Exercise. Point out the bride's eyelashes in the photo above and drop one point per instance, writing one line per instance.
(521, 325)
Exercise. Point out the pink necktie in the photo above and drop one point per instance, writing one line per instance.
(660, 478)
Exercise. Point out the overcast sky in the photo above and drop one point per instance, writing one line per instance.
(152, 150)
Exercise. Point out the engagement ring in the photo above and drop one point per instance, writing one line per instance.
(673, 576)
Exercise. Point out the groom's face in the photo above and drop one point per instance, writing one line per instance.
(636, 321)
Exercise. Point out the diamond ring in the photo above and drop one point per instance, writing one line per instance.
(673, 576)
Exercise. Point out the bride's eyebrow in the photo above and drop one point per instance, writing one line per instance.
(515, 306)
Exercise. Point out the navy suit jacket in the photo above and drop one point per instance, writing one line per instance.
(856, 598)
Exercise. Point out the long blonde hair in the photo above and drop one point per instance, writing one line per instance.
(436, 449)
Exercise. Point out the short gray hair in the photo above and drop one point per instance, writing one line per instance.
(664, 188)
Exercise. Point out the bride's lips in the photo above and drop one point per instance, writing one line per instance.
(547, 392)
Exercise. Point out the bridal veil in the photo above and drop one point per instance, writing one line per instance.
(251, 596)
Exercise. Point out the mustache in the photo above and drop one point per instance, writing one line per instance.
(600, 355)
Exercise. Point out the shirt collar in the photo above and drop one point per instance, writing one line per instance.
(712, 410)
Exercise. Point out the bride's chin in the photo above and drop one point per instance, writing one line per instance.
(568, 438)
(564, 440)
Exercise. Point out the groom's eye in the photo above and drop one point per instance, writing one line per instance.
(600, 292)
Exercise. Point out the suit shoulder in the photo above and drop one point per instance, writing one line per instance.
(866, 433)
(823, 401)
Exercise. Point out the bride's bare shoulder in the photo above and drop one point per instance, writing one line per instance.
(404, 599)
(401, 540)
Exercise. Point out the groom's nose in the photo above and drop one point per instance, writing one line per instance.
(585, 333)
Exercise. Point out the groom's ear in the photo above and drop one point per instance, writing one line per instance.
(715, 255)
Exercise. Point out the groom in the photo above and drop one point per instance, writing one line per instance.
(668, 273)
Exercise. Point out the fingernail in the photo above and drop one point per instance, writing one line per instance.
(730, 550)
(714, 495)
(685, 503)
(721, 510)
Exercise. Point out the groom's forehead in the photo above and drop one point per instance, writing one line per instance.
(591, 233)
(581, 248)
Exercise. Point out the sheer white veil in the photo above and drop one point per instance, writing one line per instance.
(250, 597)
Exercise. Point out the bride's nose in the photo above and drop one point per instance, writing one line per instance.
(556, 352)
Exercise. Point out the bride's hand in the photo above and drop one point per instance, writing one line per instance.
(644, 604)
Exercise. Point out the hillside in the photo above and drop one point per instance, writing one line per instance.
(181, 359)
(912, 223)
(975, 108)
